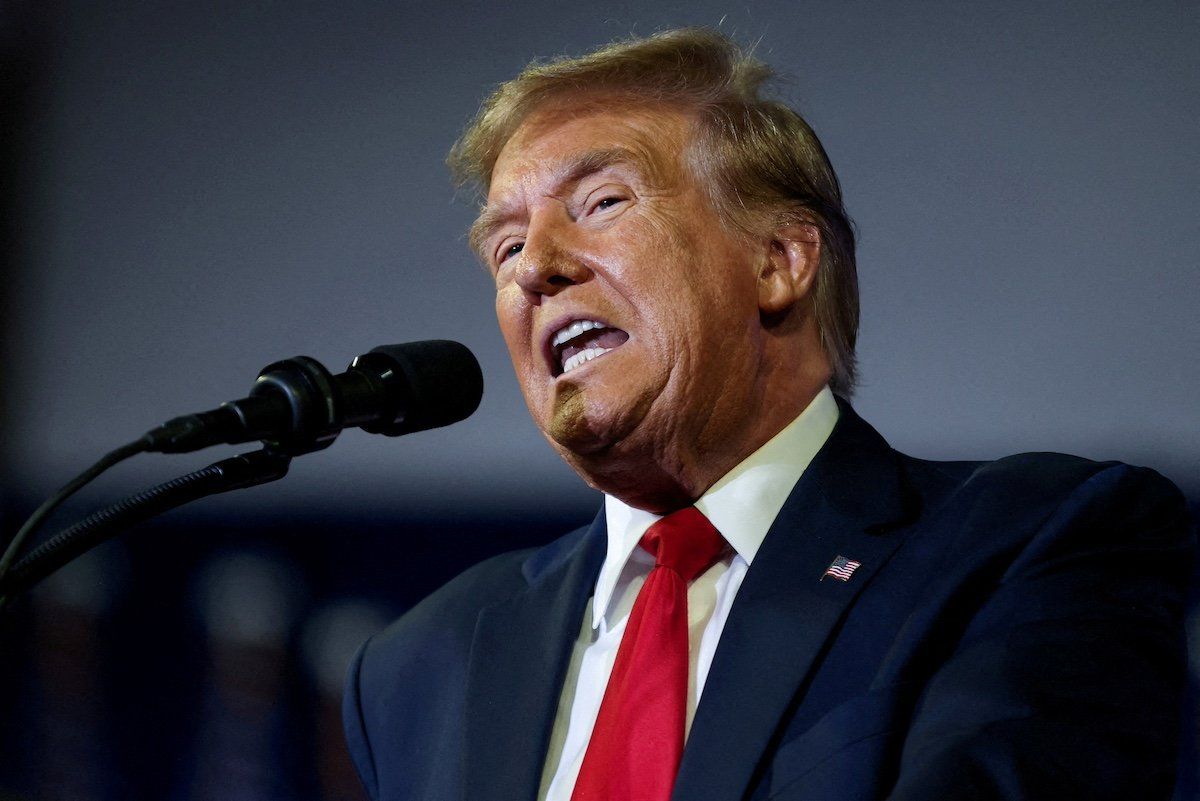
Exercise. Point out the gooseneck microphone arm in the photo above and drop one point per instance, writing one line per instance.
(238, 472)
(295, 407)
(32, 523)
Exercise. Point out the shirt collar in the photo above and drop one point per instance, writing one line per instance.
(742, 504)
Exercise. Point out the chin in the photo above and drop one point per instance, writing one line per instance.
(584, 425)
(573, 431)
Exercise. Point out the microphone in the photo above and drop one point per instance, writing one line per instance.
(296, 406)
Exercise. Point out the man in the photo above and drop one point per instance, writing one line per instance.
(772, 603)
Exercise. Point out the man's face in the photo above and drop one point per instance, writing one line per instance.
(629, 309)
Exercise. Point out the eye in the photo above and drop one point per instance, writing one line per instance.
(605, 198)
(506, 253)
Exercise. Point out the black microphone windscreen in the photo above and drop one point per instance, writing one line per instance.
(444, 384)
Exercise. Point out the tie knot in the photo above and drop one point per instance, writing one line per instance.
(684, 541)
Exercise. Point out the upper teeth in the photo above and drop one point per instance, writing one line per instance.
(573, 330)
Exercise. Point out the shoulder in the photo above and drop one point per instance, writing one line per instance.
(1038, 488)
(440, 628)
(975, 527)
(1005, 498)
(406, 688)
(442, 623)
(1035, 537)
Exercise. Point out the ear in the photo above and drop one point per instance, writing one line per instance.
(791, 267)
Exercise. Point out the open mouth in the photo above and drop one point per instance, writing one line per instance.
(574, 345)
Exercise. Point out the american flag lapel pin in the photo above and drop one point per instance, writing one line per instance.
(841, 569)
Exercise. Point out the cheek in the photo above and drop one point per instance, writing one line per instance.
(515, 328)
(510, 315)
(515, 321)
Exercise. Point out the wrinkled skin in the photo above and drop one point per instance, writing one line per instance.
(722, 349)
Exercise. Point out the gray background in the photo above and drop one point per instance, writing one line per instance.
(209, 187)
(191, 191)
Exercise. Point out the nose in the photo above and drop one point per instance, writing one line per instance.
(548, 262)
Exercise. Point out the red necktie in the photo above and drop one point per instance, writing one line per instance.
(637, 741)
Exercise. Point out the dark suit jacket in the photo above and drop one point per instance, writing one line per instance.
(1014, 632)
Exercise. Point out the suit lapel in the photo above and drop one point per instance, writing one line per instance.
(785, 612)
(518, 658)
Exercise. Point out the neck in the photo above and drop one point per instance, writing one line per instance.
(674, 470)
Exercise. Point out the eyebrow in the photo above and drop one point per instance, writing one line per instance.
(494, 216)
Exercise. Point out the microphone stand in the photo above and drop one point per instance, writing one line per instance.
(237, 472)
(296, 407)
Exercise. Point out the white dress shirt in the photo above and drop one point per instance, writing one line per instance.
(742, 506)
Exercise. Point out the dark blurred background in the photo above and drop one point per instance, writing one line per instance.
(193, 190)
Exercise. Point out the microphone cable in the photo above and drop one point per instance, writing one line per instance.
(70, 488)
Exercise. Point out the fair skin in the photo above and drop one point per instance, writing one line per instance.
(702, 341)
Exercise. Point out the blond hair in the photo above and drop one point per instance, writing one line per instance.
(760, 160)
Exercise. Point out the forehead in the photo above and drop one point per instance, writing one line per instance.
(553, 143)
